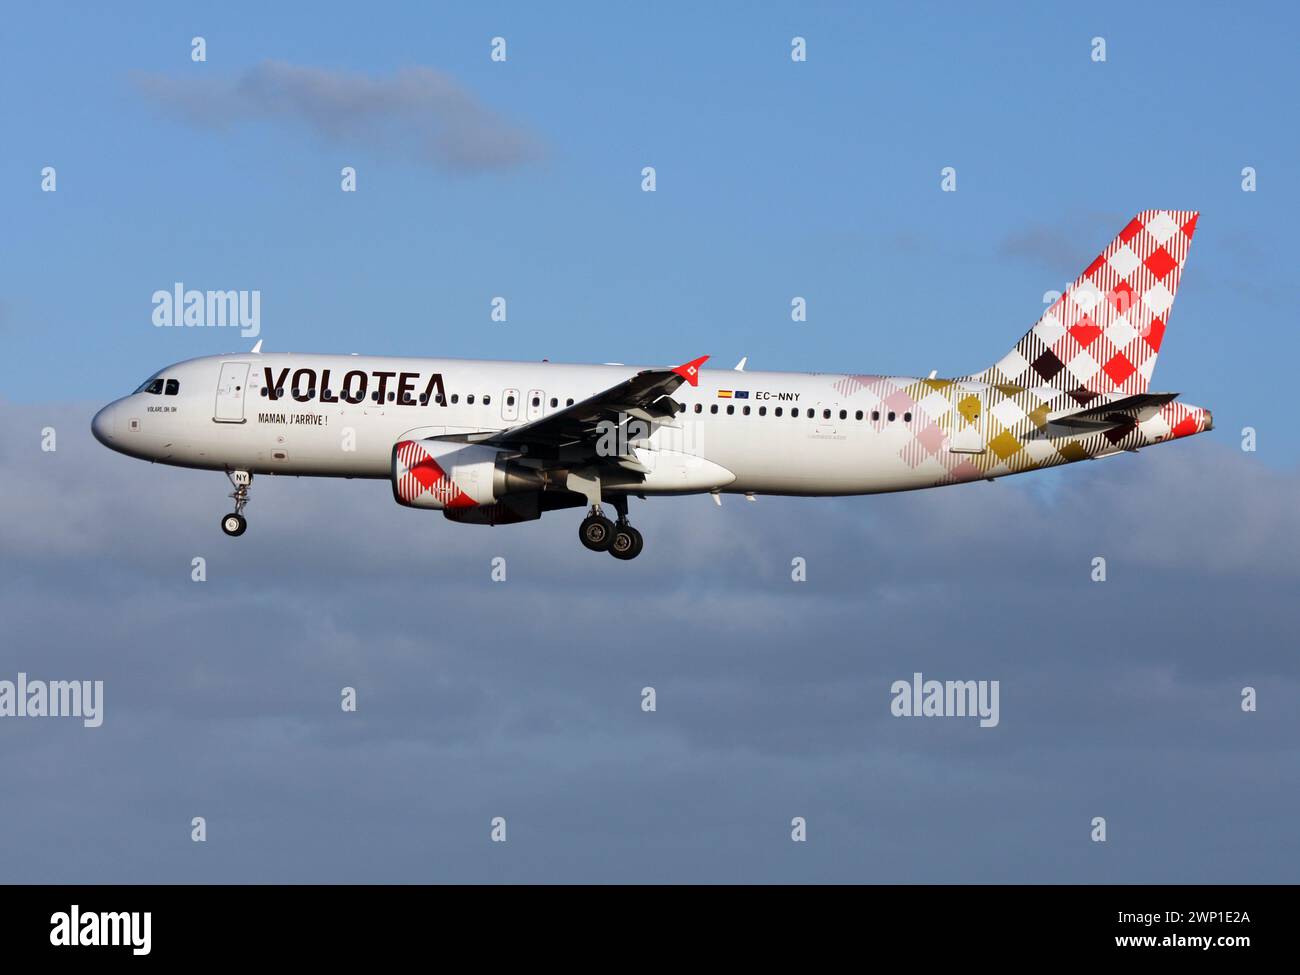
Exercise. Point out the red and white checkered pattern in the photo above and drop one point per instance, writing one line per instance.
(1104, 333)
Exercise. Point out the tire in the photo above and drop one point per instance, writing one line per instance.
(623, 544)
(596, 532)
(233, 525)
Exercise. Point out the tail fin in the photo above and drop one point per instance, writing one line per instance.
(1104, 333)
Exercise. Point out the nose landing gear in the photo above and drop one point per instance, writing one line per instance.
(234, 524)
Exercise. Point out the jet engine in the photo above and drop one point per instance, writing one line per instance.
(448, 476)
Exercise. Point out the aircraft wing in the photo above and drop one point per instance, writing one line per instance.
(575, 429)
(1118, 412)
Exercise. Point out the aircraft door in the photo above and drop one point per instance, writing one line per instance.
(231, 386)
(967, 434)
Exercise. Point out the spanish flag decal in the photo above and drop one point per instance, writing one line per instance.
(724, 394)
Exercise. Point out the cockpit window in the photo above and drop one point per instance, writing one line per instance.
(154, 387)
(173, 387)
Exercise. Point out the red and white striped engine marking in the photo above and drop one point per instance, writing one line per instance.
(420, 477)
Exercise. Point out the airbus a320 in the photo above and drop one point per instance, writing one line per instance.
(496, 443)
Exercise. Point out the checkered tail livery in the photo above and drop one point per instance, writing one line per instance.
(1104, 333)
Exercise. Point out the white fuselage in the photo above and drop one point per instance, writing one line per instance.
(742, 432)
(309, 428)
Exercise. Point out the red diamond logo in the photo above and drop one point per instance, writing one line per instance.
(1189, 228)
(1085, 331)
(1131, 231)
(1119, 369)
(1160, 263)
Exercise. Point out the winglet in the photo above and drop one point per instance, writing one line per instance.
(691, 371)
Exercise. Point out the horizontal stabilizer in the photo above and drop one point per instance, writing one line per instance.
(1119, 412)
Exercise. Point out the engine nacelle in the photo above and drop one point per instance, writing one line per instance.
(441, 475)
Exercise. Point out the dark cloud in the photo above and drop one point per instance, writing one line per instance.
(521, 698)
(1066, 246)
(418, 113)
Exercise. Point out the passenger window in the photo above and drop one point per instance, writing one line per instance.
(859, 415)
(762, 411)
(455, 398)
(699, 407)
(487, 400)
(392, 396)
(745, 410)
(536, 402)
(891, 416)
(173, 387)
(510, 401)
(554, 402)
(731, 409)
(826, 414)
(568, 402)
(469, 400)
(907, 417)
(844, 414)
(875, 415)
(713, 408)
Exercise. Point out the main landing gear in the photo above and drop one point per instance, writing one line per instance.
(619, 538)
(234, 524)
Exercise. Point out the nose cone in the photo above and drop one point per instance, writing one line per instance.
(104, 425)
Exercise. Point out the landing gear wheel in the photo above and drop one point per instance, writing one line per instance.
(234, 524)
(627, 543)
(596, 532)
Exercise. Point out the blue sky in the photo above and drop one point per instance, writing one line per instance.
(775, 179)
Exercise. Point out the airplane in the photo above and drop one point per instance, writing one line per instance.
(497, 442)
